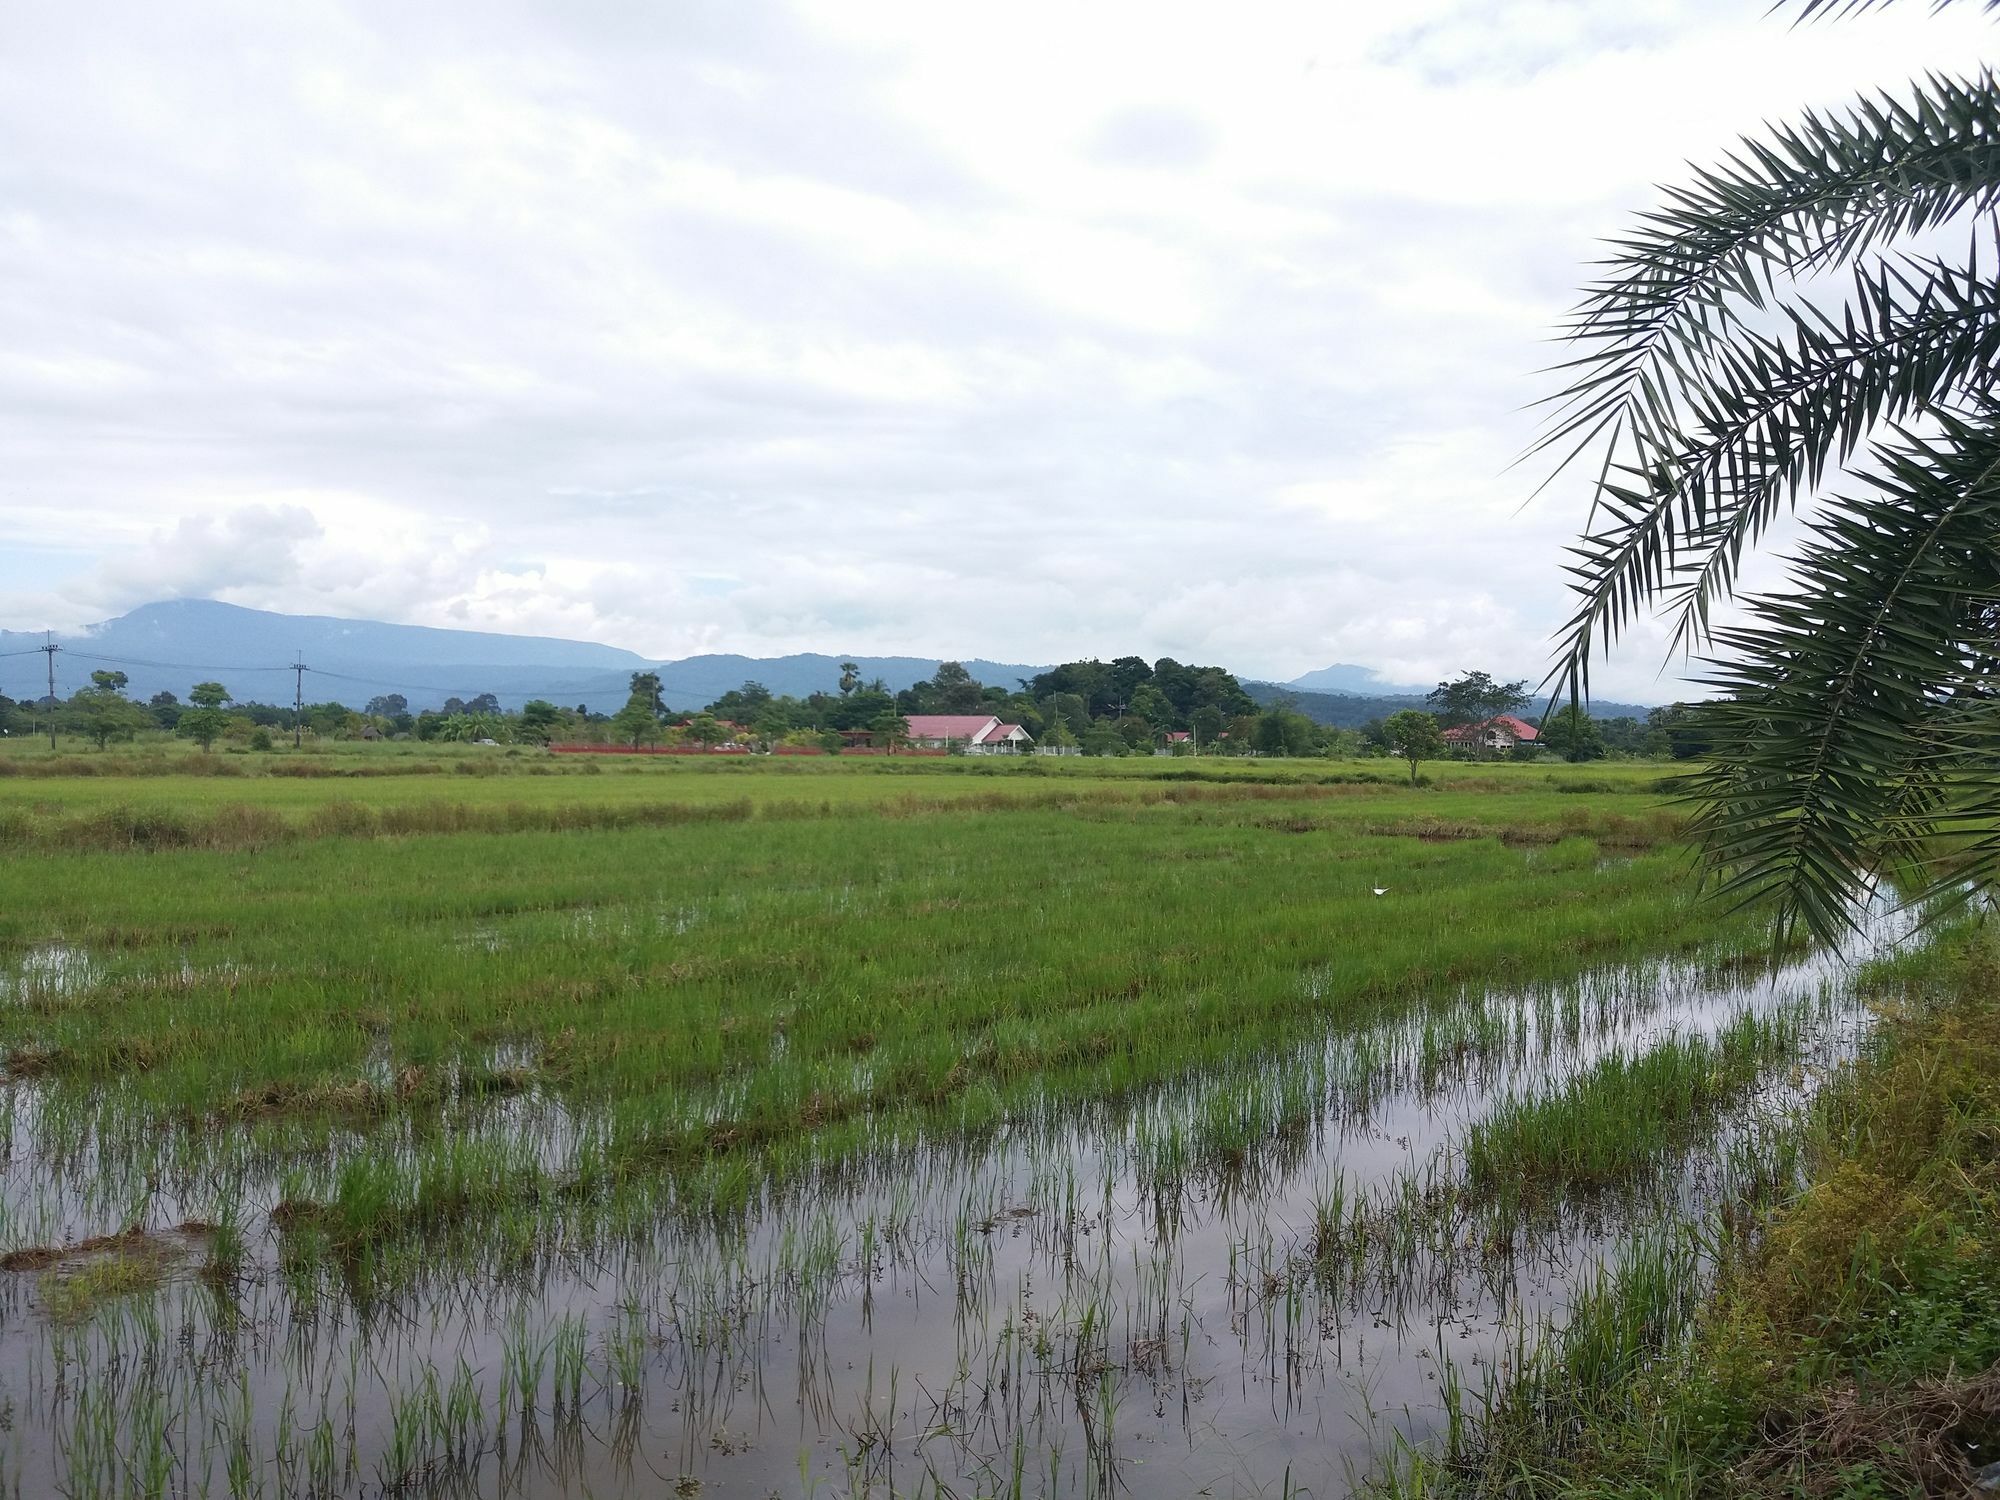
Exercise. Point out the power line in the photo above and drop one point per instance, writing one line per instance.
(432, 687)
(299, 669)
(169, 666)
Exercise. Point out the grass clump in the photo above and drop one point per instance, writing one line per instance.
(1625, 1118)
(118, 1266)
(1851, 1345)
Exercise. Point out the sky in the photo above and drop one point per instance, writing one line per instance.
(1026, 332)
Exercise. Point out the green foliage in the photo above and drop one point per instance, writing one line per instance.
(1474, 697)
(1712, 393)
(541, 722)
(1852, 1345)
(1413, 734)
(102, 713)
(205, 722)
(637, 724)
(1571, 733)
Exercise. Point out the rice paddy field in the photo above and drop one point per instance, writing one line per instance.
(408, 1123)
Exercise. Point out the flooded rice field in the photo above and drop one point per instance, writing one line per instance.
(1263, 1280)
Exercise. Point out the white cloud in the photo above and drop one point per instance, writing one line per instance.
(1018, 333)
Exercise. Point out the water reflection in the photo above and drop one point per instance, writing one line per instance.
(1256, 1279)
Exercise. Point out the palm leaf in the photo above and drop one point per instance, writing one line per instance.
(1858, 701)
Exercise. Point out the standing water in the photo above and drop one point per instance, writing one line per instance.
(1260, 1279)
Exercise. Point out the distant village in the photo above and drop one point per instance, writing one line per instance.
(1126, 706)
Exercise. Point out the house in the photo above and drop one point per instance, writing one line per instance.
(1495, 736)
(975, 734)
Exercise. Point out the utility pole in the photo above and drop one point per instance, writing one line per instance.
(298, 700)
(49, 649)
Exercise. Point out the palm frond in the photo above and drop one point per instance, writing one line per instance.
(1810, 10)
(1857, 701)
(1670, 364)
(1767, 420)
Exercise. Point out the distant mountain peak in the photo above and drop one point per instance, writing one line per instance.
(1360, 682)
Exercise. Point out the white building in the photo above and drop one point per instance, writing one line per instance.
(976, 734)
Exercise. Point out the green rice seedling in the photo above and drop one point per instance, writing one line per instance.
(1624, 1118)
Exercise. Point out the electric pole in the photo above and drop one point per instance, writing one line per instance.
(298, 701)
(49, 649)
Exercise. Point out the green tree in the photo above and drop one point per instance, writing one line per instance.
(742, 705)
(1102, 739)
(850, 678)
(1682, 727)
(101, 713)
(1152, 705)
(541, 721)
(205, 721)
(1790, 326)
(1206, 722)
(1413, 734)
(955, 690)
(1571, 733)
(110, 682)
(646, 687)
(1473, 698)
(636, 724)
(891, 730)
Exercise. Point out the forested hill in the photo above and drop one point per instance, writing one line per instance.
(168, 647)
(1352, 710)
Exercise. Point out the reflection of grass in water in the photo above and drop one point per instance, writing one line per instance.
(804, 977)
(1624, 1118)
(983, 949)
(75, 1293)
(1850, 1345)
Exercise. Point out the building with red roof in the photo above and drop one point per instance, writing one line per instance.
(1497, 735)
(976, 734)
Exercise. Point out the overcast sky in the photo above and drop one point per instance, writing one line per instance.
(1022, 331)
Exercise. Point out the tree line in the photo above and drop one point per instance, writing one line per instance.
(1126, 706)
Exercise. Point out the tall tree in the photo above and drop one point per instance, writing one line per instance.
(638, 723)
(955, 690)
(205, 721)
(646, 686)
(1721, 376)
(1473, 698)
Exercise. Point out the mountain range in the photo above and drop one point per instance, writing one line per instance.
(172, 645)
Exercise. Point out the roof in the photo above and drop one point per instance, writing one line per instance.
(1008, 732)
(969, 727)
(1520, 729)
(1175, 736)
